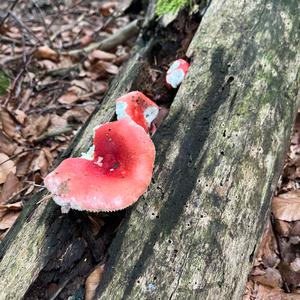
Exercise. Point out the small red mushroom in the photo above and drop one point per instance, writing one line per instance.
(138, 107)
(176, 73)
(114, 178)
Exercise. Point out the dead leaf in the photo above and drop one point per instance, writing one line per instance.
(102, 67)
(267, 253)
(20, 116)
(57, 122)
(101, 55)
(45, 52)
(6, 144)
(107, 8)
(93, 281)
(23, 163)
(270, 277)
(8, 124)
(286, 206)
(8, 219)
(41, 124)
(6, 166)
(41, 163)
(11, 186)
(68, 98)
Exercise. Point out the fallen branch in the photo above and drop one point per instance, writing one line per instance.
(111, 42)
(53, 133)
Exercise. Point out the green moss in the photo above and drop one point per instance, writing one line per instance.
(4, 82)
(167, 6)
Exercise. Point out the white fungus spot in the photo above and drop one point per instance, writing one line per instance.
(121, 110)
(150, 114)
(175, 78)
(99, 161)
(173, 66)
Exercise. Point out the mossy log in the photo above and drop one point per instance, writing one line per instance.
(219, 156)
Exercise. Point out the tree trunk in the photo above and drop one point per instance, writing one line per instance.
(219, 156)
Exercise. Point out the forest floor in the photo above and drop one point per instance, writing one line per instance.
(51, 80)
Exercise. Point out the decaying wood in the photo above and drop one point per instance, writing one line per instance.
(42, 232)
(219, 156)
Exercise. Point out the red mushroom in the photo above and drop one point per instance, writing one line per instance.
(176, 73)
(138, 107)
(117, 175)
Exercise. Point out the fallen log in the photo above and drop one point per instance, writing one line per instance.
(45, 246)
(219, 155)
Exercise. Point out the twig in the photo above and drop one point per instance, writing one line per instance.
(53, 133)
(7, 15)
(16, 155)
(7, 39)
(14, 84)
(67, 27)
(42, 17)
(23, 25)
(57, 107)
(111, 42)
(62, 71)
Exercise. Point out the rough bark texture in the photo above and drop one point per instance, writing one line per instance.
(42, 233)
(219, 156)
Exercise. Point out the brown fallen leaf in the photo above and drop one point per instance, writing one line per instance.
(8, 124)
(107, 8)
(101, 55)
(45, 52)
(24, 163)
(267, 253)
(20, 116)
(286, 206)
(8, 220)
(93, 281)
(68, 98)
(11, 186)
(6, 144)
(102, 67)
(269, 277)
(6, 166)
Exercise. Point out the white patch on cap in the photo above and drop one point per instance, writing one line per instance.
(173, 66)
(121, 110)
(174, 79)
(89, 155)
(99, 161)
(150, 114)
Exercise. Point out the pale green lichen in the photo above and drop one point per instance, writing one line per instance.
(169, 6)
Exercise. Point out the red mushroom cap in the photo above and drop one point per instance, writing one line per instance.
(115, 178)
(176, 73)
(138, 107)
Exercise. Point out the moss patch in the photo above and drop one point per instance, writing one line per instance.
(167, 6)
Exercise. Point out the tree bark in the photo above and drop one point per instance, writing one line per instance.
(219, 157)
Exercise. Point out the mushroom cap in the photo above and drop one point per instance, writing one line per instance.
(115, 178)
(138, 107)
(176, 73)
